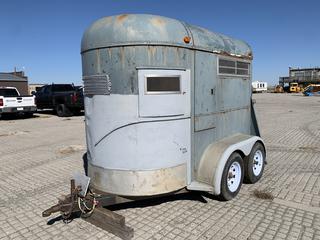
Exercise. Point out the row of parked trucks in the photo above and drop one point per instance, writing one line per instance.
(309, 90)
(64, 99)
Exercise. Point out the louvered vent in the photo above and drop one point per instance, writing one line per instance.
(97, 85)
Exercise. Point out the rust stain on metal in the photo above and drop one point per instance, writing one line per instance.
(152, 51)
(158, 22)
(121, 18)
(98, 65)
(109, 52)
(122, 56)
(224, 53)
(137, 183)
(177, 56)
(97, 178)
(164, 55)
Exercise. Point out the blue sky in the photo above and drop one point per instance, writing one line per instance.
(43, 37)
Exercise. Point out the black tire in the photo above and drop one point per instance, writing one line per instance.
(226, 194)
(76, 112)
(28, 114)
(85, 163)
(63, 111)
(251, 163)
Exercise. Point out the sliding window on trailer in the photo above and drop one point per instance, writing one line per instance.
(160, 84)
(164, 92)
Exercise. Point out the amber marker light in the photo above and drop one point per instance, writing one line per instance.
(186, 39)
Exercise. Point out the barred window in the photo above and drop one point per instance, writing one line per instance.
(233, 67)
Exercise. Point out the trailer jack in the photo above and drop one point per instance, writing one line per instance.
(91, 209)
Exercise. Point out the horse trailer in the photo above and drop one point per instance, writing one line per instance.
(168, 107)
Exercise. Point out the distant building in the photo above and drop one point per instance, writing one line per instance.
(302, 76)
(259, 86)
(15, 79)
(34, 87)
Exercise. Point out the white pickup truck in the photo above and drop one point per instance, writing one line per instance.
(11, 102)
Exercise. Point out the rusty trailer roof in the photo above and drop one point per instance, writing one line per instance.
(145, 29)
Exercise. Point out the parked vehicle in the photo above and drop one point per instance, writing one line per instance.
(312, 90)
(259, 87)
(65, 99)
(278, 89)
(295, 88)
(168, 109)
(11, 102)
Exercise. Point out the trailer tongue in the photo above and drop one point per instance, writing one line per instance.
(90, 207)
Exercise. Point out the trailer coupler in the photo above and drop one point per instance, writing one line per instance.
(91, 210)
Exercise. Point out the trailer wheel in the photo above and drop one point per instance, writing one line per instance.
(62, 110)
(232, 177)
(254, 163)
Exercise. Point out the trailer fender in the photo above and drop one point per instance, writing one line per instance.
(216, 155)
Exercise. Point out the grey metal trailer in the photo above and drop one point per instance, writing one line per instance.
(168, 106)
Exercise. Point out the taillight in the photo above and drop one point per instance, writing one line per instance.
(1, 102)
(74, 98)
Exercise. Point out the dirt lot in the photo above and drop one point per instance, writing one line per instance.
(38, 156)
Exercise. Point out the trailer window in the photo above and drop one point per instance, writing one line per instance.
(162, 84)
(232, 67)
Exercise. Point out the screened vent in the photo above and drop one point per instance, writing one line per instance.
(97, 85)
(232, 67)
